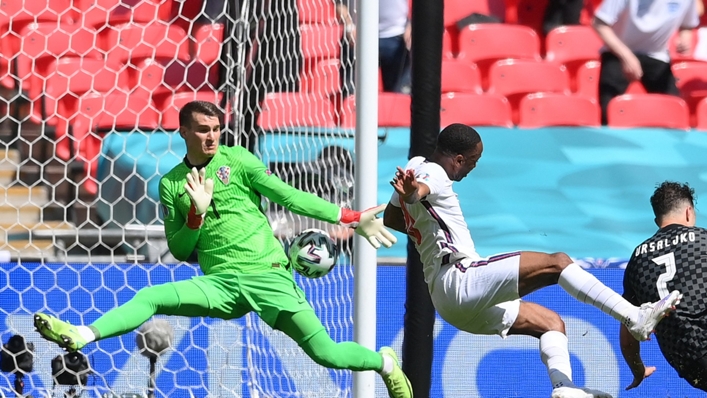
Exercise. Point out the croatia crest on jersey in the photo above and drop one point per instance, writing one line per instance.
(224, 174)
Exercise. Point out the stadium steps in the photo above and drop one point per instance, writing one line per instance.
(21, 209)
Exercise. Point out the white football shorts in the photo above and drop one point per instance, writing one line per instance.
(481, 296)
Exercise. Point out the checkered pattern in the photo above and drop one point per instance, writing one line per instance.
(681, 335)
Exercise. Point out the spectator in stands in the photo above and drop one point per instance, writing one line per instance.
(394, 33)
(560, 13)
(636, 35)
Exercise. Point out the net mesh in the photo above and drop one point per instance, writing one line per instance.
(89, 97)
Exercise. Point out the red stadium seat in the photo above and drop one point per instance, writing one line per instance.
(102, 13)
(393, 111)
(42, 43)
(572, 46)
(208, 40)
(68, 78)
(475, 110)
(551, 109)
(587, 79)
(323, 78)
(283, 110)
(321, 41)
(317, 12)
(171, 105)
(691, 79)
(133, 42)
(648, 110)
(448, 45)
(515, 79)
(107, 112)
(701, 114)
(484, 44)
(460, 77)
(15, 15)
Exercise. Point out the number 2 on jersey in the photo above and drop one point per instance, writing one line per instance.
(668, 261)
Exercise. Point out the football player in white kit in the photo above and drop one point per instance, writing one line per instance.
(481, 295)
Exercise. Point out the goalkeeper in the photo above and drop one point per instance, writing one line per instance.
(211, 203)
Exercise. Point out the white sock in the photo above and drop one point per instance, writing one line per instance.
(556, 356)
(86, 333)
(586, 288)
(388, 365)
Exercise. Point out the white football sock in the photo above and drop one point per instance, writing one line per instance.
(86, 333)
(556, 356)
(388, 365)
(586, 288)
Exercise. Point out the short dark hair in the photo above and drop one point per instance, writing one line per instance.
(204, 107)
(457, 139)
(669, 196)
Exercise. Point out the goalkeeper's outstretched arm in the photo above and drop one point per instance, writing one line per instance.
(306, 204)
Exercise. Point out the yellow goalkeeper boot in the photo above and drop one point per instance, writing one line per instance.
(62, 333)
(397, 383)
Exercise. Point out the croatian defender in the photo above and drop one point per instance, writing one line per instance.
(480, 295)
(674, 257)
(212, 204)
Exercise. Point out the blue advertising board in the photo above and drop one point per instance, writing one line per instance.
(245, 358)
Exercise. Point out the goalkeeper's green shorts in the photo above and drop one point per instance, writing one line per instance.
(268, 294)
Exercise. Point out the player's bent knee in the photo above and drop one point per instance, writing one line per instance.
(559, 261)
(554, 322)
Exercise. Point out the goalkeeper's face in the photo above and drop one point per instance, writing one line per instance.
(202, 137)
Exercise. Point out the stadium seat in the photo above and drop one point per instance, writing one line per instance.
(323, 78)
(101, 13)
(98, 112)
(484, 44)
(701, 115)
(15, 15)
(572, 46)
(207, 42)
(475, 110)
(147, 75)
(648, 110)
(67, 78)
(316, 12)
(586, 80)
(393, 110)
(191, 77)
(460, 77)
(448, 45)
(552, 109)
(320, 41)
(42, 43)
(515, 79)
(171, 105)
(691, 79)
(132, 42)
(283, 110)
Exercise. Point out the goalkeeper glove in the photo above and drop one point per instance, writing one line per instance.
(200, 191)
(368, 225)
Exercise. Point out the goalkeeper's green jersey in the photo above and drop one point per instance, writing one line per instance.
(236, 235)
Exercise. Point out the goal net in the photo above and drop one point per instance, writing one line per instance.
(89, 98)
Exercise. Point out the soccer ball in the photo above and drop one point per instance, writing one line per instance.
(313, 253)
